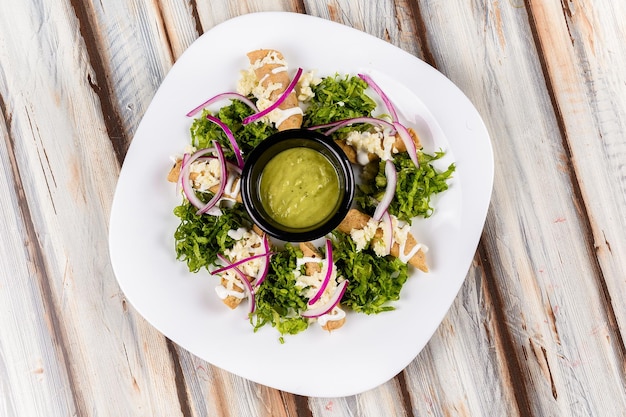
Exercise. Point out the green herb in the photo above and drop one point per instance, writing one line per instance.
(199, 238)
(414, 188)
(338, 98)
(278, 301)
(374, 281)
(204, 131)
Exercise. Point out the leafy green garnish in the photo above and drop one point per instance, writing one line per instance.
(278, 301)
(204, 131)
(199, 238)
(338, 98)
(374, 280)
(414, 188)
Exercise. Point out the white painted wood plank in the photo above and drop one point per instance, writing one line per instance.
(535, 235)
(462, 371)
(215, 12)
(585, 60)
(117, 362)
(30, 369)
(387, 20)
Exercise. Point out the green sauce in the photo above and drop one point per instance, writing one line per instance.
(299, 188)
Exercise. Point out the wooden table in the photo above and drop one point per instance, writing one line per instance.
(536, 330)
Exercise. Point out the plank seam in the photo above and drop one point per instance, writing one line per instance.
(302, 405)
(421, 32)
(196, 17)
(406, 396)
(179, 379)
(504, 337)
(112, 119)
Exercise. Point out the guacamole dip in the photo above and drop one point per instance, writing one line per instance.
(299, 188)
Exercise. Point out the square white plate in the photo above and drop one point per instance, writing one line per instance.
(368, 350)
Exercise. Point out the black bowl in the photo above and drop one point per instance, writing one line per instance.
(268, 149)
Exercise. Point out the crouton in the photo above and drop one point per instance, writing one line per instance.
(357, 220)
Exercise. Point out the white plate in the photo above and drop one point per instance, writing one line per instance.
(368, 350)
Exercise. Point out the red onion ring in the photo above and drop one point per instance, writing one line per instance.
(266, 266)
(179, 182)
(368, 120)
(332, 303)
(231, 138)
(223, 96)
(223, 179)
(390, 190)
(328, 267)
(188, 190)
(383, 96)
(245, 282)
(388, 228)
(408, 142)
(243, 261)
(278, 102)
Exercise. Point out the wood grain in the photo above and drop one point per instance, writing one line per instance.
(536, 330)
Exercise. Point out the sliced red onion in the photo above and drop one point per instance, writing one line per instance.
(408, 142)
(383, 96)
(224, 96)
(390, 190)
(278, 102)
(244, 281)
(328, 268)
(266, 265)
(332, 303)
(231, 138)
(326, 125)
(369, 120)
(223, 179)
(188, 190)
(387, 231)
(243, 261)
(179, 182)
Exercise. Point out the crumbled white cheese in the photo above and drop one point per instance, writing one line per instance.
(378, 142)
(400, 230)
(247, 82)
(303, 88)
(205, 174)
(249, 244)
(363, 236)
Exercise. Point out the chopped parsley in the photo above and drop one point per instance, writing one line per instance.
(199, 238)
(414, 189)
(374, 281)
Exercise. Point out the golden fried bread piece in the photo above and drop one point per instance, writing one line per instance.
(357, 220)
(271, 73)
(174, 173)
(230, 300)
(310, 251)
(331, 325)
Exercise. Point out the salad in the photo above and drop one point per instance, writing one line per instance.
(363, 264)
